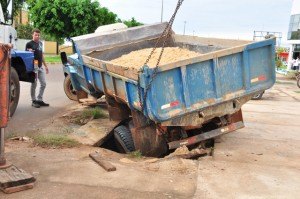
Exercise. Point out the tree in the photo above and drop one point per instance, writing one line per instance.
(132, 23)
(17, 5)
(24, 31)
(68, 18)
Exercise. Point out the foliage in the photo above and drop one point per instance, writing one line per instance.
(68, 18)
(280, 50)
(132, 23)
(88, 114)
(136, 154)
(24, 31)
(96, 113)
(17, 5)
(279, 63)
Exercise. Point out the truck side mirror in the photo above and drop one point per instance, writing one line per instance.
(63, 57)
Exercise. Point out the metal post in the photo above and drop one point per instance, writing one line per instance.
(2, 157)
(184, 28)
(162, 11)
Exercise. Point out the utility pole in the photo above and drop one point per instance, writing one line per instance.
(162, 11)
(184, 28)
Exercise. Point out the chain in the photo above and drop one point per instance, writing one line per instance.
(166, 33)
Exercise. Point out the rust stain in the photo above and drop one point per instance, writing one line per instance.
(211, 101)
(4, 84)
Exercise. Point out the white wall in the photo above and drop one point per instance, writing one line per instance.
(21, 43)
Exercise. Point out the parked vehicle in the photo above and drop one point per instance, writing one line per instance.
(21, 61)
(187, 101)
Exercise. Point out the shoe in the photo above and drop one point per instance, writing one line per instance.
(42, 103)
(35, 104)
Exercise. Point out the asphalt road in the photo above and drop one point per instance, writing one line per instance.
(26, 117)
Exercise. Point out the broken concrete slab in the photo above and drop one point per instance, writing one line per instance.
(95, 132)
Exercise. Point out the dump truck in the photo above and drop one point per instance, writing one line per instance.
(180, 103)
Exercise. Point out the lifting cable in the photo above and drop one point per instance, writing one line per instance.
(164, 36)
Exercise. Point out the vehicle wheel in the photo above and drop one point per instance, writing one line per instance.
(14, 91)
(123, 137)
(258, 96)
(298, 82)
(69, 90)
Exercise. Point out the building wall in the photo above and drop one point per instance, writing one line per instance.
(294, 25)
(22, 17)
(64, 48)
(50, 47)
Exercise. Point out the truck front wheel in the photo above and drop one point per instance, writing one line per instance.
(14, 91)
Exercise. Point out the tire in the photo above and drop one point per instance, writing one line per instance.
(123, 137)
(298, 82)
(14, 90)
(258, 96)
(69, 90)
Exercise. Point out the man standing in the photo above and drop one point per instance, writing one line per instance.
(36, 46)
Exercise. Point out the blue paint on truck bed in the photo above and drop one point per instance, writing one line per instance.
(197, 84)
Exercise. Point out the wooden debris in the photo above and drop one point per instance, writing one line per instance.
(103, 163)
(13, 180)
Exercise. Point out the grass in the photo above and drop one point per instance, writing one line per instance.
(96, 113)
(88, 114)
(52, 59)
(136, 154)
(297, 91)
(52, 140)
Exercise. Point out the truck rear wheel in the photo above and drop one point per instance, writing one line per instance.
(69, 89)
(123, 136)
(14, 91)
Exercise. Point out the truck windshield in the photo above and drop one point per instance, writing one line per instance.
(6, 12)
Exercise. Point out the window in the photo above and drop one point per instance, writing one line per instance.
(297, 48)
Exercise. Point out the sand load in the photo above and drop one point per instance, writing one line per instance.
(136, 59)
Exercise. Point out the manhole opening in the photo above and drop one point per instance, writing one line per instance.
(111, 143)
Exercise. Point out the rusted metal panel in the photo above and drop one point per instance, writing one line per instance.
(117, 111)
(4, 84)
(199, 117)
(205, 136)
(145, 136)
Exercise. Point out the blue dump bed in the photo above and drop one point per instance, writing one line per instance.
(189, 92)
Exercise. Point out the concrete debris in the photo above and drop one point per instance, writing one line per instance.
(25, 139)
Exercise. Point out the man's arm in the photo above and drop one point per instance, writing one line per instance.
(27, 46)
(46, 67)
